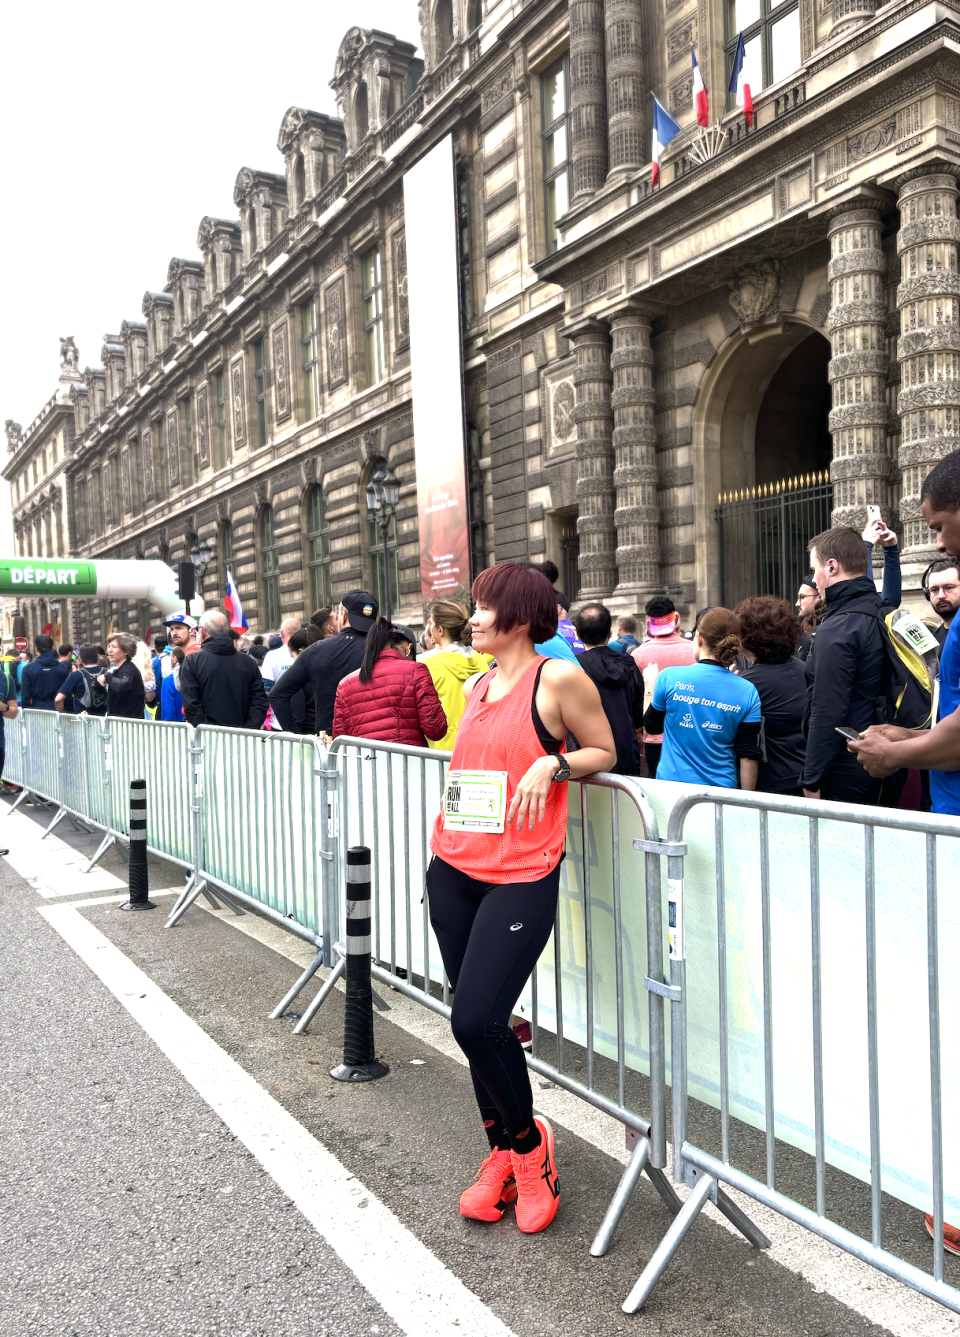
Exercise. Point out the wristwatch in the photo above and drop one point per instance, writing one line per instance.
(563, 770)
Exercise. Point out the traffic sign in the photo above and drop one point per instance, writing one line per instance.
(21, 643)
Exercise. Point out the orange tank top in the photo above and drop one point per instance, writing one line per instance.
(500, 736)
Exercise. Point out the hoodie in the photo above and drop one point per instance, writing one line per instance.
(620, 686)
(450, 669)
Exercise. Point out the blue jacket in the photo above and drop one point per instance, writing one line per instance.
(171, 702)
(41, 680)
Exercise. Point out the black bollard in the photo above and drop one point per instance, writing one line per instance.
(360, 1064)
(138, 849)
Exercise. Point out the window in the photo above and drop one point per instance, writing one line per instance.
(223, 455)
(373, 314)
(361, 114)
(311, 370)
(466, 268)
(160, 459)
(771, 40)
(443, 27)
(81, 509)
(224, 549)
(318, 549)
(260, 379)
(270, 614)
(300, 182)
(555, 95)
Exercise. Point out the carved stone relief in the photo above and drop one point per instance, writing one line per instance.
(173, 448)
(498, 90)
(401, 301)
(125, 481)
(755, 291)
(334, 318)
(203, 427)
(281, 372)
(680, 39)
(371, 443)
(237, 403)
(146, 449)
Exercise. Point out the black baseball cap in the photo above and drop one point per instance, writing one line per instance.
(563, 601)
(361, 608)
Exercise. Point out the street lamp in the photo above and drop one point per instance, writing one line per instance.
(200, 555)
(383, 496)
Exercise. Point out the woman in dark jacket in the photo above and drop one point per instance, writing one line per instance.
(125, 691)
(389, 697)
(769, 635)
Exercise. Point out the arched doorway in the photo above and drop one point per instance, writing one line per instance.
(761, 432)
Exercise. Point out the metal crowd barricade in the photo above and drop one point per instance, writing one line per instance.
(596, 1011)
(15, 752)
(866, 901)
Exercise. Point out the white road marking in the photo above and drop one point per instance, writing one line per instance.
(52, 867)
(827, 1269)
(420, 1294)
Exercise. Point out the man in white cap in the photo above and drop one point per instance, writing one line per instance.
(183, 632)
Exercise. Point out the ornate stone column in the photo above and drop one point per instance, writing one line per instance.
(624, 86)
(929, 346)
(595, 489)
(861, 469)
(635, 458)
(588, 97)
(850, 14)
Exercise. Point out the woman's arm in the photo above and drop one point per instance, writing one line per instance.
(749, 766)
(568, 702)
(430, 713)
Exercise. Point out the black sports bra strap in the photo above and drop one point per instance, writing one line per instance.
(549, 744)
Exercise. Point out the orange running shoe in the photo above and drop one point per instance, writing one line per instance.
(538, 1187)
(492, 1189)
(951, 1235)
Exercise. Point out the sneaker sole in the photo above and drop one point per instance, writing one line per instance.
(508, 1196)
(950, 1248)
(546, 1132)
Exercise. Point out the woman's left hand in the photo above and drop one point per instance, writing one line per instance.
(529, 802)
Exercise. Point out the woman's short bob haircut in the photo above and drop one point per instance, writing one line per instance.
(768, 629)
(518, 594)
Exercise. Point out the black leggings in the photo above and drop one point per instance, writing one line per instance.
(491, 936)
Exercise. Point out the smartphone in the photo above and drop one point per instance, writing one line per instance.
(848, 733)
(874, 516)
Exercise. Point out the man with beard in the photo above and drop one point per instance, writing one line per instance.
(943, 591)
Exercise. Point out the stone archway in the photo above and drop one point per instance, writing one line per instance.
(761, 416)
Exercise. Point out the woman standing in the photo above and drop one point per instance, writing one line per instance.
(492, 883)
(389, 697)
(769, 636)
(452, 662)
(123, 681)
(708, 716)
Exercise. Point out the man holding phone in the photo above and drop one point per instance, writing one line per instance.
(885, 748)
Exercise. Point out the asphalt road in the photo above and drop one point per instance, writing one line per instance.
(130, 1207)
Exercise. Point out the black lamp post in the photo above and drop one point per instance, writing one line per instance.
(200, 555)
(383, 496)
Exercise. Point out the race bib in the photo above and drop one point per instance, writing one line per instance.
(914, 632)
(475, 801)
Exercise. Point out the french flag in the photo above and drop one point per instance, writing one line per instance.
(701, 104)
(742, 97)
(664, 129)
(233, 607)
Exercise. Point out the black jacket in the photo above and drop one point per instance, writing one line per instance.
(221, 686)
(125, 692)
(322, 666)
(41, 680)
(845, 683)
(621, 694)
(782, 689)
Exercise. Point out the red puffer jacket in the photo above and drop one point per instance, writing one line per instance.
(398, 705)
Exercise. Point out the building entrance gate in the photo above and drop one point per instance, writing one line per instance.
(763, 536)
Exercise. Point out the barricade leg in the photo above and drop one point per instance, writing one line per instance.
(628, 1183)
(321, 997)
(22, 797)
(301, 983)
(63, 812)
(108, 840)
(669, 1245)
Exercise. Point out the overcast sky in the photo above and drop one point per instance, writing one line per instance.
(121, 128)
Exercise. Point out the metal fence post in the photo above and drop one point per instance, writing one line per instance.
(106, 773)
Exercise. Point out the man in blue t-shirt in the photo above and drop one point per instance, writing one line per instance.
(81, 692)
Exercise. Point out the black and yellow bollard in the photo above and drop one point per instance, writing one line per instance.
(138, 876)
(360, 1063)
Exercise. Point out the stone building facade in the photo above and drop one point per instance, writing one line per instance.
(786, 304)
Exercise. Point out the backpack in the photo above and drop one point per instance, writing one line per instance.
(92, 696)
(911, 670)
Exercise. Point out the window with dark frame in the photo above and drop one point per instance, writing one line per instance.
(318, 549)
(372, 271)
(771, 42)
(260, 380)
(555, 110)
(466, 267)
(311, 355)
(191, 465)
(270, 615)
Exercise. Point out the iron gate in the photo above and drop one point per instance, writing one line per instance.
(764, 532)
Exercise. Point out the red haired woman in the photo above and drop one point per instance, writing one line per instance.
(495, 874)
